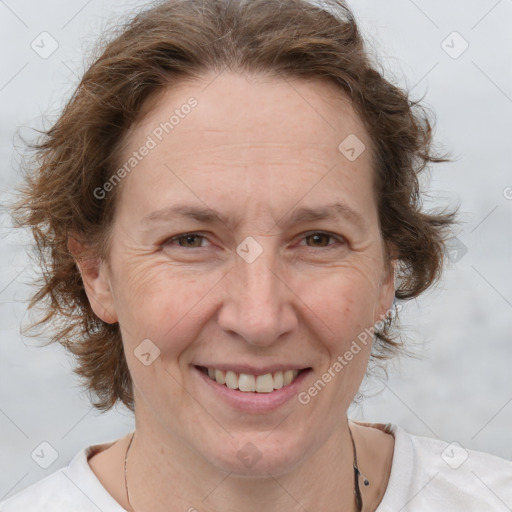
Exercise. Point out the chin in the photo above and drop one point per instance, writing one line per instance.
(258, 454)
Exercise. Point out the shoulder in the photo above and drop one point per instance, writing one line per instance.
(55, 492)
(430, 474)
(73, 488)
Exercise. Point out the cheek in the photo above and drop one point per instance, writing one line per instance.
(161, 302)
(345, 300)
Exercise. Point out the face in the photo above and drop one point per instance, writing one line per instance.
(245, 241)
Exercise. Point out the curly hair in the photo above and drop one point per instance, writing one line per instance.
(168, 43)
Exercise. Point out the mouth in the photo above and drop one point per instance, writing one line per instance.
(249, 383)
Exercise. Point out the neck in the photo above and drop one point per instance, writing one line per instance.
(162, 470)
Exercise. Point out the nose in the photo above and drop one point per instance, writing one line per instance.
(258, 301)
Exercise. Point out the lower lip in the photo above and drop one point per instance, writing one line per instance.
(251, 401)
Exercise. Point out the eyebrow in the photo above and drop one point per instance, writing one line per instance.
(302, 214)
(329, 211)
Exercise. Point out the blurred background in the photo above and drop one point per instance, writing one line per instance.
(458, 57)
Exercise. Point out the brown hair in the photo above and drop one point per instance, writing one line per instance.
(183, 39)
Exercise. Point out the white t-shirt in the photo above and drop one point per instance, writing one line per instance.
(427, 475)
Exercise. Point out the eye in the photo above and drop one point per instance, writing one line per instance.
(187, 240)
(318, 239)
(321, 239)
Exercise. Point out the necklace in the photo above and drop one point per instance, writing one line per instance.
(357, 474)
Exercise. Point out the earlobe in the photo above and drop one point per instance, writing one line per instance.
(96, 279)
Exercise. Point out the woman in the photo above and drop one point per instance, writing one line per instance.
(226, 211)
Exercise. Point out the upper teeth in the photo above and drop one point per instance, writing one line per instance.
(247, 382)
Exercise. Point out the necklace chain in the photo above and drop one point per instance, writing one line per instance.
(126, 472)
(357, 473)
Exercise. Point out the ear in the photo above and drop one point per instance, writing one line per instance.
(96, 278)
(386, 294)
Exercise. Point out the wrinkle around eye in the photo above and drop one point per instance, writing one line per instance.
(295, 251)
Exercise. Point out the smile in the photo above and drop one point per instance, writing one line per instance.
(248, 383)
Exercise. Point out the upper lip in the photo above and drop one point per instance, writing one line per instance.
(253, 370)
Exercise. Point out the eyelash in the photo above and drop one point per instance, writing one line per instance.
(306, 235)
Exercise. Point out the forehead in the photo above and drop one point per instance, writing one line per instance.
(309, 114)
(262, 133)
